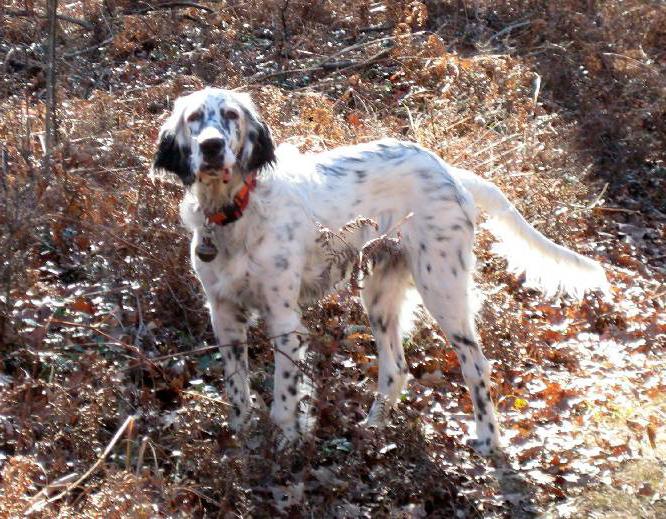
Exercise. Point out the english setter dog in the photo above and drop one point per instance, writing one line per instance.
(254, 213)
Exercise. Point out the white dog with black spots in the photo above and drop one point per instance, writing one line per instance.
(255, 213)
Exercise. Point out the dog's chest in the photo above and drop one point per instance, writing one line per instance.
(234, 276)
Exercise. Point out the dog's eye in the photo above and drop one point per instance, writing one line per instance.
(232, 115)
(194, 116)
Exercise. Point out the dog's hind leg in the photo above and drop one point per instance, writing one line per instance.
(442, 272)
(383, 295)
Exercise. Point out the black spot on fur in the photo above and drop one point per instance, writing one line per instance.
(390, 380)
(479, 401)
(383, 325)
(292, 390)
(331, 171)
(464, 340)
(281, 262)
(460, 259)
(428, 267)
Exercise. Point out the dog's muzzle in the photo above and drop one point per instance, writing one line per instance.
(212, 154)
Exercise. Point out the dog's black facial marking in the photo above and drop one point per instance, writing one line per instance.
(263, 149)
(174, 158)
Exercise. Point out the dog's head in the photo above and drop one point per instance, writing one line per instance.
(214, 132)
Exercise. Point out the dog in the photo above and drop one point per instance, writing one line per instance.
(255, 213)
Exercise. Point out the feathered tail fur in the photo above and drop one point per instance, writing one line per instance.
(547, 266)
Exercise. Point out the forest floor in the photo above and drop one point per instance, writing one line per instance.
(111, 401)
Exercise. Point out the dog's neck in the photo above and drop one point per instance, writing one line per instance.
(213, 193)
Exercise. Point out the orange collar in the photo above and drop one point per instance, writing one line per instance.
(233, 211)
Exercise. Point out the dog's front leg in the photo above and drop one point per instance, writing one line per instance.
(229, 324)
(290, 382)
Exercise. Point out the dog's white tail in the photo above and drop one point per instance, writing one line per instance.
(547, 266)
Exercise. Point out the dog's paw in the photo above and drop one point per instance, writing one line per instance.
(485, 448)
(288, 437)
(378, 414)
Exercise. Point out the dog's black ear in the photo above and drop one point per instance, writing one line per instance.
(263, 148)
(173, 157)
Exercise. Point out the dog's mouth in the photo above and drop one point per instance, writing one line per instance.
(216, 170)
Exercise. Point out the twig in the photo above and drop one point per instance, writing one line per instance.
(38, 506)
(27, 14)
(199, 395)
(52, 9)
(598, 197)
(536, 89)
(140, 355)
(200, 495)
(142, 451)
(128, 446)
(370, 61)
(321, 64)
(658, 294)
(58, 483)
(204, 349)
(616, 210)
(633, 60)
(88, 49)
(508, 29)
(167, 5)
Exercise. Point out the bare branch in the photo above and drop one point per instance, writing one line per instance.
(50, 130)
(28, 14)
(167, 5)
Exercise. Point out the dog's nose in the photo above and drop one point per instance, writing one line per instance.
(211, 147)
